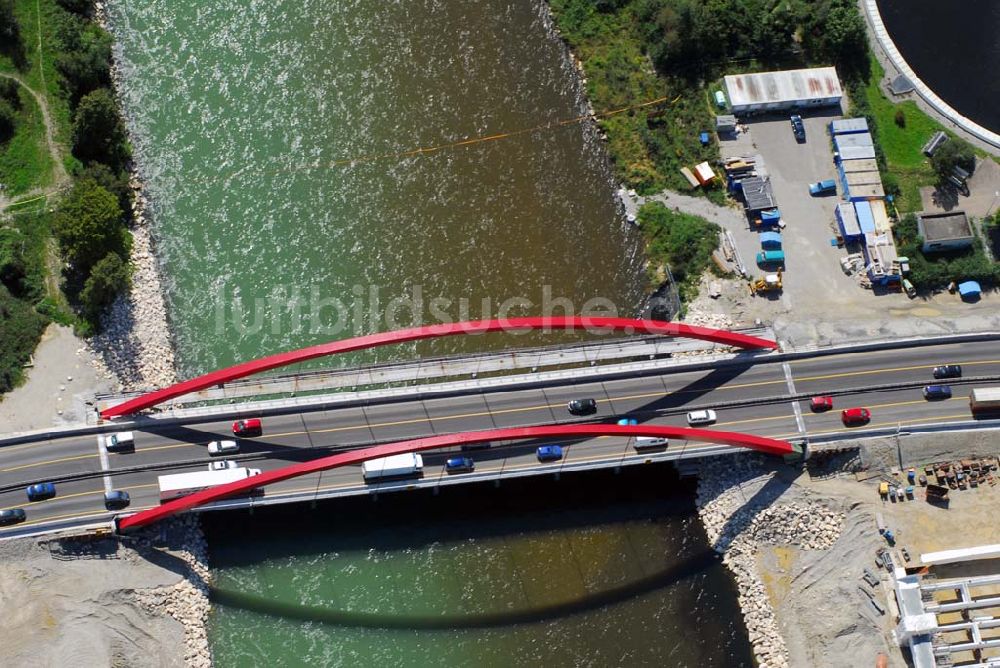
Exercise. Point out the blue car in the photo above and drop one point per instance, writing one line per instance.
(937, 392)
(41, 491)
(459, 465)
(549, 453)
(628, 422)
(116, 499)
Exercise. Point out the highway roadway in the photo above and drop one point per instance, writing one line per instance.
(661, 399)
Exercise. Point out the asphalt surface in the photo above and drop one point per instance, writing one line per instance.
(662, 399)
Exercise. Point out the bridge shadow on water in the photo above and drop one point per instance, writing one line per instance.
(679, 572)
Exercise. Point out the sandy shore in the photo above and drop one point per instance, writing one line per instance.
(106, 601)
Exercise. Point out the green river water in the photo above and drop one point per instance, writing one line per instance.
(239, 109)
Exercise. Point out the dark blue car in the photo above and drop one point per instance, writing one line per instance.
(41, 491)
(116, 499)
(937, 392)
(549, 453)
(459, 465)
(12, 516)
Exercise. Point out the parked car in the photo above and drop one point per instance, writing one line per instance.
(798, 128)
(827, 187)
(582, 406)
(855, 416)
(41, 491)
(116, 499)
(947, 371)
(222, 465)
(222, 447)
(250, 427)
(12, 516)
(820, 404)
(549, 453)
(701, 417)
(627, 422)
(123, 441)
(459, 465)
(932, 392)
(771, 258)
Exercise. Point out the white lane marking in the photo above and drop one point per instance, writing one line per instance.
(105, 464)
(795, 404)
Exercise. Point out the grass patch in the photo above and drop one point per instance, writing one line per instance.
(680, 241)
(24, 160)
(647, 146)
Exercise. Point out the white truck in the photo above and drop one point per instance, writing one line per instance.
(397, 466)
(176, 485)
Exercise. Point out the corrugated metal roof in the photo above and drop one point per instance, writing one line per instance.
(857, 153)
(869, 165)
(783, 86)
(862, 178)
(857, 139)
(848, 126)
(848, 220)
(865, 220)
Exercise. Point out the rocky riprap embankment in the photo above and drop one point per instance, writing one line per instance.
(135, 344)
(186, 601)
(739, 505)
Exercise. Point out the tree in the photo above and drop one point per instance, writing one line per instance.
(107, 279)
(115, 183)
(953, 153)
(89, 226)
(8, 120)
(10, 30)
(84, 56)
(98, 131)
(20, 329)
(12, 266)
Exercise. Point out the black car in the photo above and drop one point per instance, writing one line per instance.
(12, 516)
(582, 406)
(116, 499)
(798, 128)
(948, 371)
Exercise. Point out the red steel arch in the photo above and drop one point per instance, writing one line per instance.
(145, 517)
(429, 332)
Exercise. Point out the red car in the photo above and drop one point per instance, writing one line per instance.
(820, 404)
(854, 416)
(251, 427)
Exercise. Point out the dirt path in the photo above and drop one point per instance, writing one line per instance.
(55, 151)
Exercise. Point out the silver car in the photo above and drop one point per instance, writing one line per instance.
(222, 447)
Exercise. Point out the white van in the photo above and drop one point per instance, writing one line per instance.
(123, 441)
(701, 417)
(644, 442)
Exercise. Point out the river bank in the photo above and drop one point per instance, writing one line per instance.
(135, 342)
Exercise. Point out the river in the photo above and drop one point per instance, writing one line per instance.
(954, 47)
(269, 134)
(595, 569)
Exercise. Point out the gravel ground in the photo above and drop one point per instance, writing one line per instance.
(87, 601)
(64, 376)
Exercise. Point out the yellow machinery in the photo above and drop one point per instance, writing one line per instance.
(766, 283)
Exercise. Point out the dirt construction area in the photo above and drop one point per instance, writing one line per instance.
(822, 604)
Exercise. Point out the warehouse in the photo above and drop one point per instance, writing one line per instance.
(783, 90)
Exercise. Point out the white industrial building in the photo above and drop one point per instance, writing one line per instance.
(783, 90)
